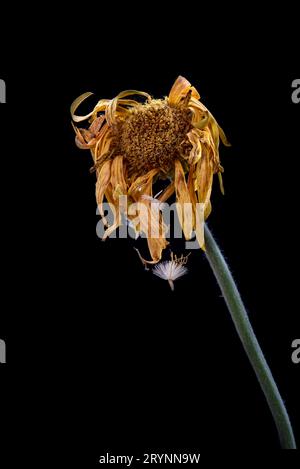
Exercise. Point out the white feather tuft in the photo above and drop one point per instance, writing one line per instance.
(170, 271)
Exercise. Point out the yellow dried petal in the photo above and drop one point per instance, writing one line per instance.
(180, 90)
(183, 201)
(102, 183)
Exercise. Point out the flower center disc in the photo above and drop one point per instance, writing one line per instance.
(153, 136)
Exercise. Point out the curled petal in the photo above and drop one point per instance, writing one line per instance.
(77, 103)
(130, 102)
(156, 247)
(100, 106)
(80, 139)
(180, 90)
(87, 138)
(80, 143)
(96, 125)
(195, 104)
(125, 93)
(113, 103)
(200, 120)
(200, 116)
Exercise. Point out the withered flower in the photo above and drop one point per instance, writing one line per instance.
(133, 144)
(175, 139)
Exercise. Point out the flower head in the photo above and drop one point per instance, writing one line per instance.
(133, 144)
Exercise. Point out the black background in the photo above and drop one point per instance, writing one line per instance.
(100, 352)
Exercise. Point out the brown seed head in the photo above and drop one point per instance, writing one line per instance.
(153, 135)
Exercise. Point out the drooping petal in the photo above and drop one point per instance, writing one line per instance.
(115, 208)
(149, 219)
(214, 130)
(117, 179)
(102, 147)
(195, 106)
(196, 151)
(192, 189)
(199, 225)
(156, 244)
(204, 176)
(156, 237)
(104, 175)
(223, 137)
(102, 182)
(207, 210)
(142, 185)
(221, 182)
(198, 208)
(146, 217)
(116, 193)
(183, 201)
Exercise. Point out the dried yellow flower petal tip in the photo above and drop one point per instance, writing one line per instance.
(174, 138)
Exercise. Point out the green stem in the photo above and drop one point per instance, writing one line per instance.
(249, 341)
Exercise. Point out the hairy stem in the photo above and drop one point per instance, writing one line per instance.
(249, 341)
